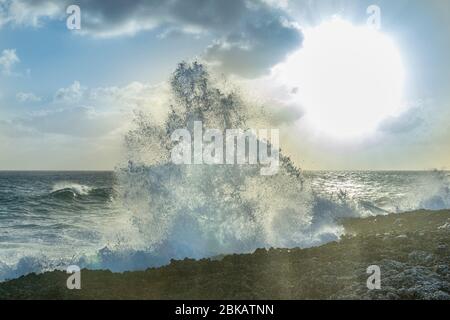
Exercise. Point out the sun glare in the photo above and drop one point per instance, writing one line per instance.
(347, 78)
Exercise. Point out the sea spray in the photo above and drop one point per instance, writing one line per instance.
(46, 229)
(205, 210)
(151, 210)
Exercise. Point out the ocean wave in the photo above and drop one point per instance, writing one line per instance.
(73, 188)
(71, 191)
(178, 211)
(195, 237)
(201, 211)
(432, 193)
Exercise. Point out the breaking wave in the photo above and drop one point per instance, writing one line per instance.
(204, 210)
(71, 191)
(198, 211)
(75, 188)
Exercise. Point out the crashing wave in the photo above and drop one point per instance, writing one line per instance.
(70, 191)
(205, 210)
(74, 188)
(198, 211)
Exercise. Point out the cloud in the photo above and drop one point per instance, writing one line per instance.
(27, 97)
(120, 17)
(255, 47)
(76, 121)
(80, 128)
(79, 111)
(8, 59)
(250, 35)
(29, 12)
(13, 129)
(191, 16)
(402, 124)
(131, 96)
(417, 115)
(73, 93)
(287, 115)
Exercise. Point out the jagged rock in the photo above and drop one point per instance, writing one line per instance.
(418, 283)
(445, 226)
(441, 295)
(421, 257)
(442, 269)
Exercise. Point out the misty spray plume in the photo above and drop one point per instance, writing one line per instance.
(204, 210)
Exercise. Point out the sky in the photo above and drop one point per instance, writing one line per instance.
(67, 96)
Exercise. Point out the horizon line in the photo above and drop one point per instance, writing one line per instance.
(304, 170)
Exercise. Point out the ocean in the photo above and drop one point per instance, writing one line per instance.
(49, 220)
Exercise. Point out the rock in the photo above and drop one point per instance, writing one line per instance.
(445, 226)
(421, 257)
(418, 283)
(392, 265)
(392, 296)
(442, 269)
(440, 295)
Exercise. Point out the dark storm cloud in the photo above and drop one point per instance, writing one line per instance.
(250, 35)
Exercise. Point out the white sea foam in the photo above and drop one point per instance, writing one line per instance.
(78, 189)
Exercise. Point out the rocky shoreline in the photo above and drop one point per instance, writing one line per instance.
(411, 249)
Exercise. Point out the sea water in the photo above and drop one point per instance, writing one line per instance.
(49, 220)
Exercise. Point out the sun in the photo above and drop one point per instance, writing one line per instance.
(347, 78)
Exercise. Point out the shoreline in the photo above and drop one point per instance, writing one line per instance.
(411, 249)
